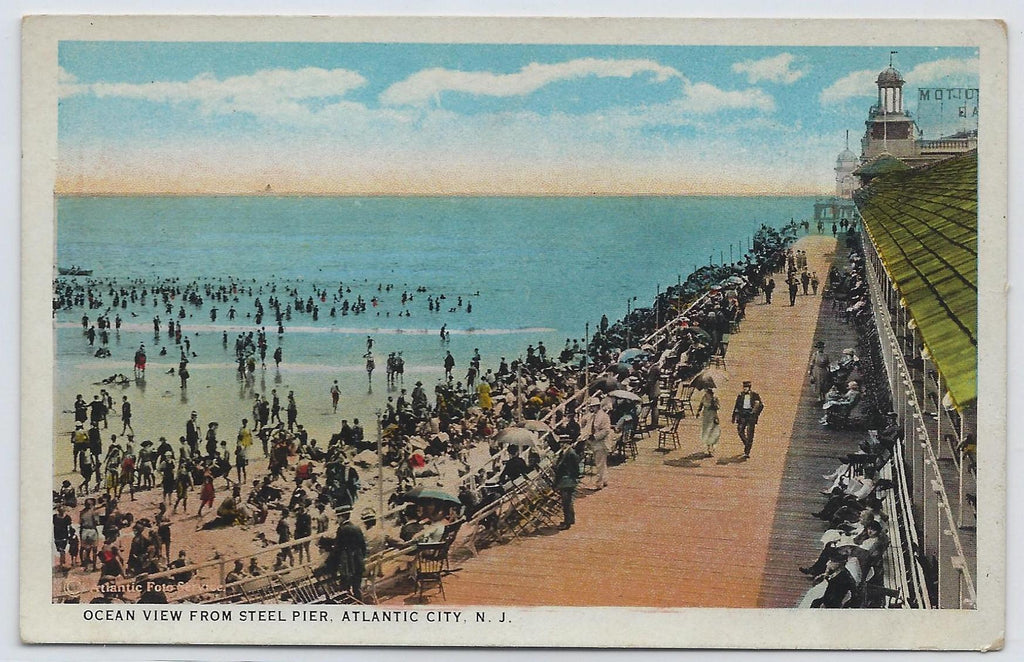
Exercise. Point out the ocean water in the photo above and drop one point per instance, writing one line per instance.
(533, 269)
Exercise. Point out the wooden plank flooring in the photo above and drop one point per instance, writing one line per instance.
(813, 451)
(677, 529)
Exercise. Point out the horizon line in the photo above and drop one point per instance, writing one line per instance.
(321, 194)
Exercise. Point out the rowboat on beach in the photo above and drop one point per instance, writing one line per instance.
(73, 271)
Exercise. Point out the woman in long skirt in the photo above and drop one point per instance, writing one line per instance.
(821, 378)
(710, 430)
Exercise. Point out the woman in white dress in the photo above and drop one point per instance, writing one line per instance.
(710, 430)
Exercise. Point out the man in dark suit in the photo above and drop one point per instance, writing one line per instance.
(514, 468)
(567, 476)
(745, 414)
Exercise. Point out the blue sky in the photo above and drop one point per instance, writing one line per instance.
(463, 118)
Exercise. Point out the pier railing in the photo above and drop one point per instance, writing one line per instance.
(940, 520)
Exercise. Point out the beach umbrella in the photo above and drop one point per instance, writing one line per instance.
(436, 495)
(516, 436)
(422, 492)
(631, 354)
(625, 395)
(536, 426)
(711, 377)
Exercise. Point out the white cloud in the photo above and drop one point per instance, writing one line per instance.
(854, 85)
(281, 94)
(777, 69)
(426, 85)
(705, 98)
(948, 71)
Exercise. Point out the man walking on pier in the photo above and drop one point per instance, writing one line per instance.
(567, 475)
(745, 414)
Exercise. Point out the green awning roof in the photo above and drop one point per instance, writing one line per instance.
(924, 224)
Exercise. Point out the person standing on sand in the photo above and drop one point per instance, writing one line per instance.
(126, 415)
(182, 484)
(292, 411)
(244, 437)
(191, 434)
(242, 461)
(206, 495)
(62, 527)
(163, 529)
(275, 407)
(335, 396)
(211, 440)
(449, 364)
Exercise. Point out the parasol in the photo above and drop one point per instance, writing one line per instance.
(711, 377)
(536, 426)
(516, 436)
(625, 395)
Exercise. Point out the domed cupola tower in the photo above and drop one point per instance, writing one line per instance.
(890, 91)
(890, 129)
(846, 163)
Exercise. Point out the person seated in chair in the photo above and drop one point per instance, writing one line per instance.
(839, 584)
(855, 490)
(866, 547)
(839, 406)
(884, 441)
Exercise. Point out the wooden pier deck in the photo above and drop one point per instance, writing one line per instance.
(678, 529)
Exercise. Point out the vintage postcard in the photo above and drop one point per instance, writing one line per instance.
(505, 332)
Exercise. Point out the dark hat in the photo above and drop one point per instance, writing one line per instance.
(820, 343)
(747, 383)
